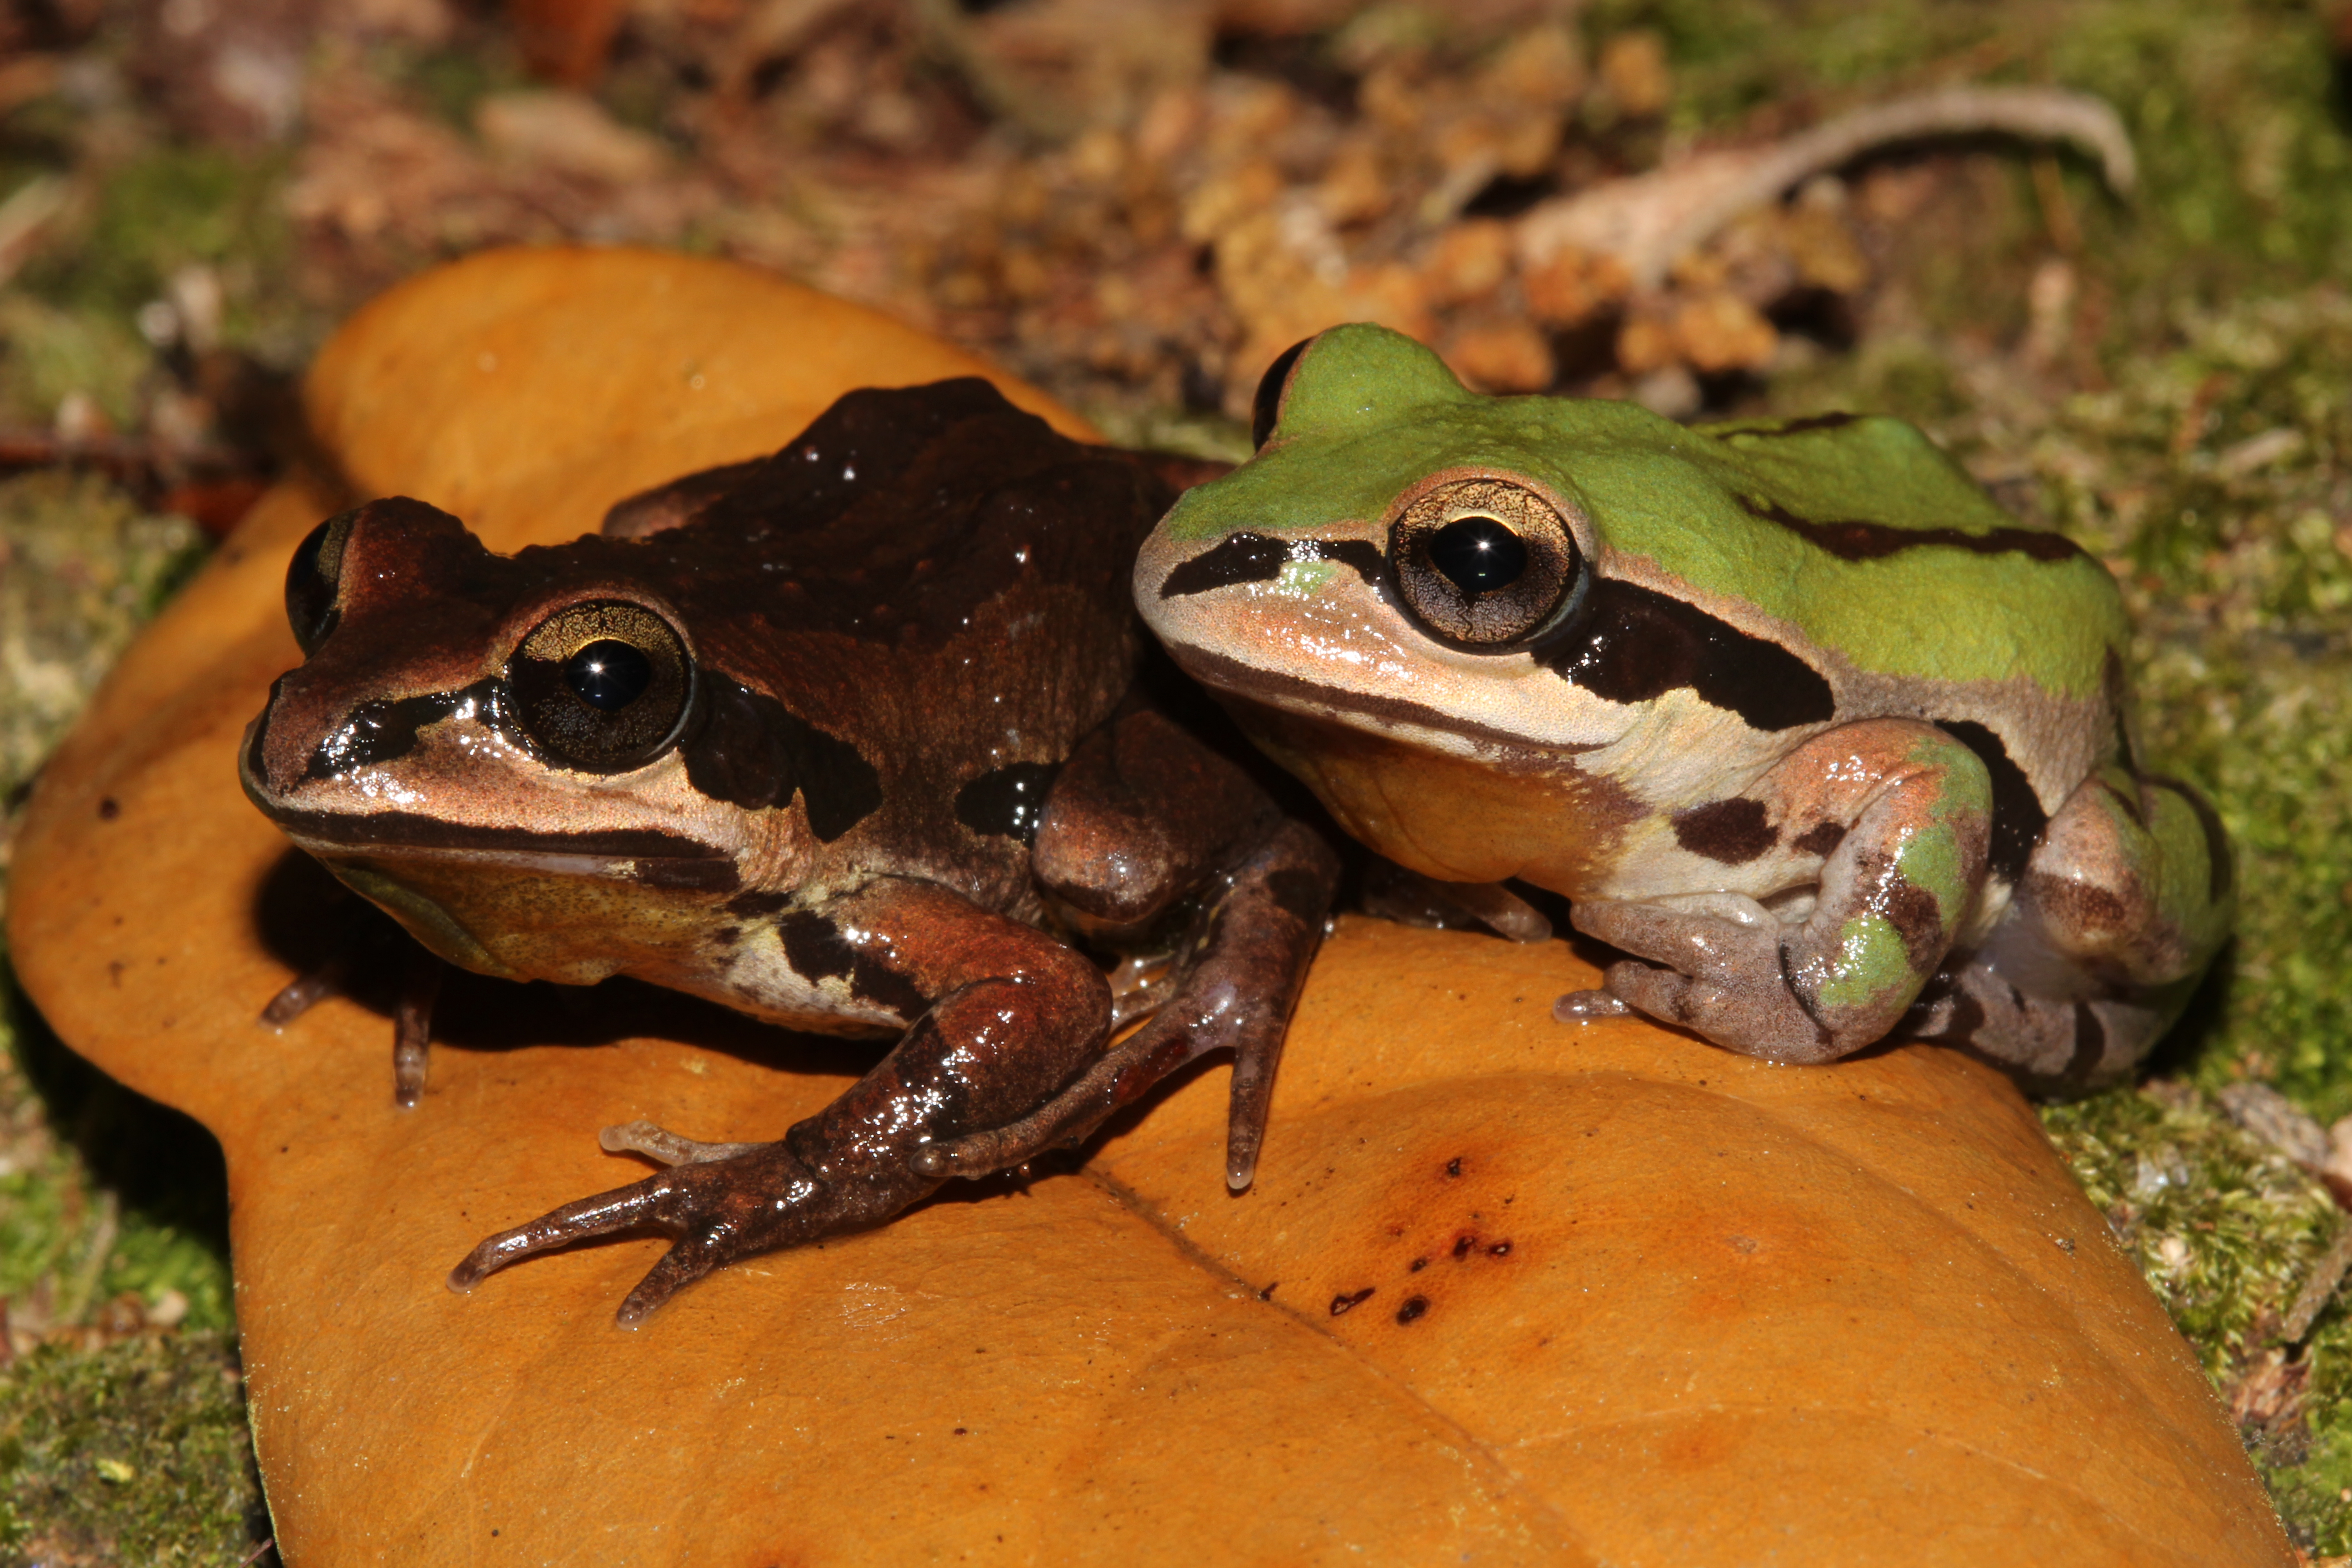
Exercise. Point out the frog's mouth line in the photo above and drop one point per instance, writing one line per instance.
(1409, 722)
(645, 855)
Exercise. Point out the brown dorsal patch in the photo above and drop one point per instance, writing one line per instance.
(1858, 539)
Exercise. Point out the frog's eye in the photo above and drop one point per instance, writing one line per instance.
(1483, 562)
(1266, 407)
(602, 686)
(312, 579)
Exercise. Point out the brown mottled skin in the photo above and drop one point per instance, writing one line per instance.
(848, 738)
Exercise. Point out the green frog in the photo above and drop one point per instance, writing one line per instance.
(851, 739)
(1826, 743)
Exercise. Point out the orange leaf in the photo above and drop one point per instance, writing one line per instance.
(1505, 1290)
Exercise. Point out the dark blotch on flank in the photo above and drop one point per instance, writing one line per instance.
(1730, 832)
(1633, 644)
(1260, 558)
(813, 946)
(752, 752)
(1820, 840)
(871, 980)
(1007, 802)
(2017, 818)
(750, 906)
(1414, 1309)
(1854, 539)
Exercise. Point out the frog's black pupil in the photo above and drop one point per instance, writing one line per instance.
(608, 676)
(1479, 554)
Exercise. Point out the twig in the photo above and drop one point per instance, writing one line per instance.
(1652, 220)
(84, 1284)
(25, 213)
(2319, 1289)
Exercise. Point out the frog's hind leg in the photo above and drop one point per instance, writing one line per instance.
(1012, 1014)
(2124, 903)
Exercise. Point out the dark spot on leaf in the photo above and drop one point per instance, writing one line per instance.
(1343, 1305)
(1413, 1309)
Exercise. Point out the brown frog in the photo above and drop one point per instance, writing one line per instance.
(848, 738)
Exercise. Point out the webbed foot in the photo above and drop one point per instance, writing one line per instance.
(1722, 977)
(719, 1202)
(1232, 989)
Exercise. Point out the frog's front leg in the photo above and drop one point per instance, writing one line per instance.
(1012, 1014)
(1143, 815)
(1897, 817)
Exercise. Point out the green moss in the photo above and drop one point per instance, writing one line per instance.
(178, 206)
(2217, 479)
(81, 567)
(103, 1192)
(138, 1453)
(46, 353)
(112, 1207)
(2227, 1229)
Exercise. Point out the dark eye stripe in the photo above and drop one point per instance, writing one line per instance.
(1260, 558)
(1635, 645)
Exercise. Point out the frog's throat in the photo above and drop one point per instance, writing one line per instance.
(425, 920)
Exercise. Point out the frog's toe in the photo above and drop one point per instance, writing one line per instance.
(716, 1208)
(1588, 1007)
(1750, 1011)
(624, 1208)
(659, 1144)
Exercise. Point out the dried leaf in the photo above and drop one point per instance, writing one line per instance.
(1539, 1293)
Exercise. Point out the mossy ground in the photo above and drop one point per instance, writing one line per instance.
(2164, 377)
(136, 1453)
(121, 1439)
